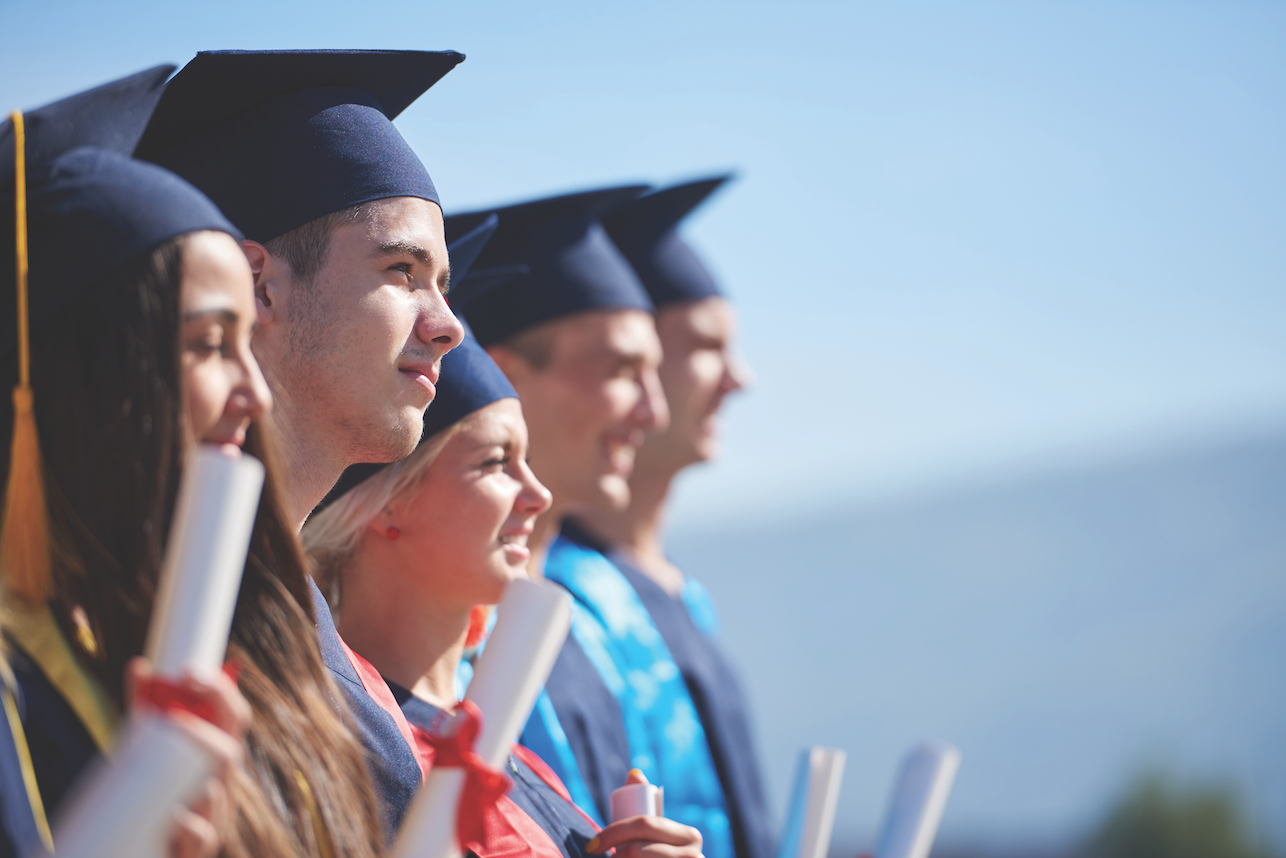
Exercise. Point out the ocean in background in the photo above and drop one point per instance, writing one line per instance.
(1066, 631)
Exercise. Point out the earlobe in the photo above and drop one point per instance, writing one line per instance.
(511, 364)
(266, 292)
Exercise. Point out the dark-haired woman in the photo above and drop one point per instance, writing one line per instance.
(140, 349)
(410, 550)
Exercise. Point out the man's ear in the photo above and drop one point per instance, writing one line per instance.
(270, 285)
(512, 364)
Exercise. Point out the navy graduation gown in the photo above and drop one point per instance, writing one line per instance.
(395, 773)
(591, 718)
(18, 832)
(722, 708)
(556, 816)
(60, 745)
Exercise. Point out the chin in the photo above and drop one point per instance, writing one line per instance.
(614, 493)
(404, 436)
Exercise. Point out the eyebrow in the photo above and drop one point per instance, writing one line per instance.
(397, 248)
(222, 313)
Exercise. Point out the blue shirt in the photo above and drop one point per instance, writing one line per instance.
(690, 627)
(664, 735)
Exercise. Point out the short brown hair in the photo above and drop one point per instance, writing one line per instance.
(304, 248)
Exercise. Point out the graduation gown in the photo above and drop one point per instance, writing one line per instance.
(19, 829)
(68, 718)
(379, 722)
(665, 737)
(537, 818)
(577, 727)
(690, 628)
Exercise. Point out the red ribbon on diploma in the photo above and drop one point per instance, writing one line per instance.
(483, 785)
(167, 696)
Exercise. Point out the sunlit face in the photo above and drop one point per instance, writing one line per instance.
(365, 338)
(589, 407)
(223, 389)
(699, 368)
(463, 534)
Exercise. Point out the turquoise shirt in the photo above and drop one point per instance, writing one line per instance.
(666, 739)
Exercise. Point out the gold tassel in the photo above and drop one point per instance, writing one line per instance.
(24, 536)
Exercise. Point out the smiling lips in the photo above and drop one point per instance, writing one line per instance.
(425, 376)
(620, 455)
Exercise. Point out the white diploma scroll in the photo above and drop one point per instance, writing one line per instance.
(637, 800)
(814, 796)
(204, 560)
(918, 800)
(126, 805)
(531, 625)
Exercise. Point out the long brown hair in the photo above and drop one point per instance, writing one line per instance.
(109, 407)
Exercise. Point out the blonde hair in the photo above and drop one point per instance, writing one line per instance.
(332, 536)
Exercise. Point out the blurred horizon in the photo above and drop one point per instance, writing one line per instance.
(1068, 631)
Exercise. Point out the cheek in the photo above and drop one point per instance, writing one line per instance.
(618, 399)
(205, 391)
(704, 378)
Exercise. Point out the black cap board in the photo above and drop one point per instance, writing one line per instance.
(646, 232)
(90, 207)
(281, 138)
(571, 264)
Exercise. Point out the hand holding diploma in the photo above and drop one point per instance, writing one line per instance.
(219, 732)
(647, 836)
(184, 737)
(531, 625)
(129, 805)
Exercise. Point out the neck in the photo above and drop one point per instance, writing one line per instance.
(638, 531)
(415, 642)
(313, 463)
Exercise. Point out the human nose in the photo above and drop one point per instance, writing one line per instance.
(652, 413)
(534, 498)
(737, 374)
(250, 395)
(437, 326)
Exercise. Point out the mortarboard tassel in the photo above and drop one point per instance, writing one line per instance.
(24, 535)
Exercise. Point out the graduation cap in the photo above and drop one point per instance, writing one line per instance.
(470, 379)
(646, 231)
(281, 138)
(80, 209)
(571, 264)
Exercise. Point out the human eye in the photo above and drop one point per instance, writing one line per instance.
(206, 342)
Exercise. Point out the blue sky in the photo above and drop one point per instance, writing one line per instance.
(969, 239)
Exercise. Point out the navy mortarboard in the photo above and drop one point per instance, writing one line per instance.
(89, 206)
(281, 138)
(572, 264)
(646, 231)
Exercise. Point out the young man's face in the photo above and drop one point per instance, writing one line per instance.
(363, 342)
(699, 369)
(588, 407)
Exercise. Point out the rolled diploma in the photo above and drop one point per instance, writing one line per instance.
(820, 774)
(204, 560)
(531, 625)
(636, 800)
(126, 805)
(919, 799)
